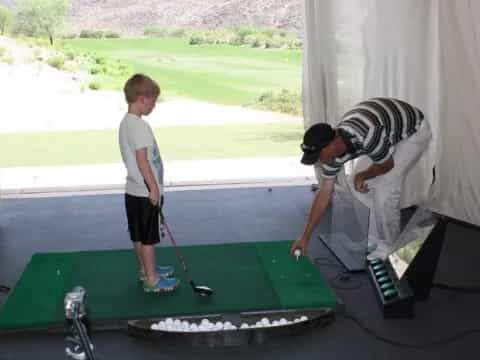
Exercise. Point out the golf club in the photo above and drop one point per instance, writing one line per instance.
(199, 289)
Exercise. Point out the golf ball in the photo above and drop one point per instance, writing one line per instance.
(298, 252)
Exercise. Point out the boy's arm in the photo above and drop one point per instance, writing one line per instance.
(147, 173)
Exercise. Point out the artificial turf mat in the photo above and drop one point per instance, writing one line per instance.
(245, 277)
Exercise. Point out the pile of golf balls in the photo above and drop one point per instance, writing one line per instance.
(177, 325)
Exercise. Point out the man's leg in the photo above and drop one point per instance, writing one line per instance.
(387, 189)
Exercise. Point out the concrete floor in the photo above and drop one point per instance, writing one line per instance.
(224, 216)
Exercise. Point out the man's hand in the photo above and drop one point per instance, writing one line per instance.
(360, 183)
(301, 244)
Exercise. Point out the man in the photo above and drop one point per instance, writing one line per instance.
(389, 136)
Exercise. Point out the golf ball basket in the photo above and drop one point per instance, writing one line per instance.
(280, 323)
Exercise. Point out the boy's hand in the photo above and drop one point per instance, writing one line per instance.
(154, 194)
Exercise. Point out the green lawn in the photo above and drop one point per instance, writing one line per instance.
(216, 73)
(176, 143)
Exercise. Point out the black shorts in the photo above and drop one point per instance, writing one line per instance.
(142, 219)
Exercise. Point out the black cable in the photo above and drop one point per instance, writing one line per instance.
(472, 290)
(345, 281)
(394, 342)
(342, 280)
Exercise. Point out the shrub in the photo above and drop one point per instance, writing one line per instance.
(244, 32)
(100, 60)
(274, 42)
(94, 85)
(95, 70)
(196, 39)
(154, 31)
(91, 34)
(67, 36)
(177, 33)
(285, 101)
(111, 34)
(57, 61)
(70, 54)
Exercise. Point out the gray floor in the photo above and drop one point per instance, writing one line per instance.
(222, 216)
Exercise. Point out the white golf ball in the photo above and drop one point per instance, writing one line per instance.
(298, 252)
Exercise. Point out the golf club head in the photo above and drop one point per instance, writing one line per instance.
(202, 290)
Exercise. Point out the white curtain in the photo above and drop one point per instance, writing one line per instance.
(457, 190)
(422, 51)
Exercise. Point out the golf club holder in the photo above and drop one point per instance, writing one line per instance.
(78, 344)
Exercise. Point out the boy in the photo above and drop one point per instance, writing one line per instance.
(144, 184)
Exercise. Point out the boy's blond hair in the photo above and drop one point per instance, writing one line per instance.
(140, 85)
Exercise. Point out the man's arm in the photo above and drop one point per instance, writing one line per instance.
(372, 171)
(319, 205)
(146, 171)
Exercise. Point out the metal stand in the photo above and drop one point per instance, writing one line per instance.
(79, 345)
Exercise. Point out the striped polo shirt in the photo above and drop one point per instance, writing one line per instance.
(373, 128)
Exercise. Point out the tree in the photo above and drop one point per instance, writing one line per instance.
(5, 18)
(40, 17)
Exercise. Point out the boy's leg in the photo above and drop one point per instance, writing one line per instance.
(138, 250)
(148, 260)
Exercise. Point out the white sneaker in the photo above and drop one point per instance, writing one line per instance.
(371, 247)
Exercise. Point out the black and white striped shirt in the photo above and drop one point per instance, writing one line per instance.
(373, 128)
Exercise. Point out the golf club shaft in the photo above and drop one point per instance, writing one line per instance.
(177, 251)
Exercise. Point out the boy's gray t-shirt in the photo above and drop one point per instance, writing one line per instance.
(135, 134)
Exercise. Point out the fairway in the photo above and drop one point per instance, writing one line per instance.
(176, 143)
(220, 74)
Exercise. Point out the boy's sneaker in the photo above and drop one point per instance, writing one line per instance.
(162, 271)
(162, 285)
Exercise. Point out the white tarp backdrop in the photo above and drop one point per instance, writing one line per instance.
(426, 52)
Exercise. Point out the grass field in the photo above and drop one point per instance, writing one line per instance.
(176, 143)
(221, 74)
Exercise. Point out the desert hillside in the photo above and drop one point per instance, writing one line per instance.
(130, 17)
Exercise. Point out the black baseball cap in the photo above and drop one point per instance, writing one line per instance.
(315, 139)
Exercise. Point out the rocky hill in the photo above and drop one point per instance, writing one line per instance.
(130, 17)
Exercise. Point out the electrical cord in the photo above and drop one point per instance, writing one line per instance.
(394, 342)
(457, 288)
(343, 281)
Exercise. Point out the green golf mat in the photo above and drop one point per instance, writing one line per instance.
(245, 277)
